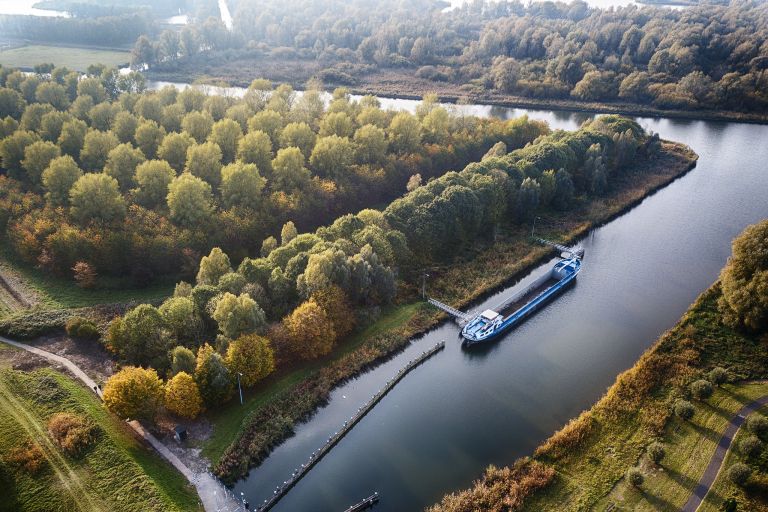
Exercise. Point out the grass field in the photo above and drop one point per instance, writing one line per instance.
(689, 447)
(117, 473)
(73, 58)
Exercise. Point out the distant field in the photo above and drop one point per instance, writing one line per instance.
(73, 58)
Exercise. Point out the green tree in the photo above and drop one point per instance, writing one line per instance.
(204, 161)
(72, 137)
(238, 315)
(121, 165)
(92, 86)
(96, 197)
(269, 122)
(226, 134)
(564, 190)
(241, 185)
(528, 199)
(405, 133)
(371, 144)
(37, 158)
(181, 318)
(96, 148)
(298, 135)
(51, 123)
(174, 150)
(212, 267)
(332, 157)
(189, 200)
(336, 123)
(198, 125)
(134, 393)
(288, 233)
(124, 126)
(288, 171)
(53, 94)
(140, 337)
(11, 103)
(153, 178)
(102, 116)
(744, 280)
(252, 357)
(149, 135)
(12, 149)
(212, 376)
(256, 148)
(58, 179)
(182, 360)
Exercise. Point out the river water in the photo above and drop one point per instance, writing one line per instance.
(464, 409)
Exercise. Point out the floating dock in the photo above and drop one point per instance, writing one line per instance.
(297, 475)
(365, 504)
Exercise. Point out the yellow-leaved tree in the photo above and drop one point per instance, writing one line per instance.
(134, 393)
(309, 330)
(252, 357)
(182, 396)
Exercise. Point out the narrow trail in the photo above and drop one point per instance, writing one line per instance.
(716, 462)
(212, 493)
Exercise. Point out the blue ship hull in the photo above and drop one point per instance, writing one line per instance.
(489, 325)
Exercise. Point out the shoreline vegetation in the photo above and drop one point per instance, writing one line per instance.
(460, 283)
(642, 410)
(404, 87)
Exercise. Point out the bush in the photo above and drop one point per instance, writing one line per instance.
(71, 433)
(758, 425)
(656, 452)
(718, 375)
(82, 328)
(635, 477)
(684, 409)
(701, 389)
(739, 473)
(750, 446)
(30, 325)
(28, 457)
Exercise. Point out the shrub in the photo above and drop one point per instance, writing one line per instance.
(750, 446)
(71, 433)
(28, 457)
(701, 389)
(718, 375)
(739, 473)
(134, 393)
(758, 425)
(82, 328)
(635, 477)
(684, 409)
(656, 452)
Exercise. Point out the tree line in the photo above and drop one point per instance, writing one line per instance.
(307, 291)
(702, 57)
(102, 178)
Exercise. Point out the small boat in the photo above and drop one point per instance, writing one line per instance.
(492, 322)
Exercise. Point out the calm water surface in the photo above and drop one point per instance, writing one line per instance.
(465, 409)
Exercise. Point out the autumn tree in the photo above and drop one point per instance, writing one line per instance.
(252, 357)
(58, 179)
(226, 134)
(37, 158)
(182, 397)
(288, 171)
(96, 148)
(298, 135)
(204, 161)
(198, 125)
(149, 135)
(174, 150)
(309, 330)
(332, 156)
(371, 144)
(124, 126)
(12, 149)
(72, 137)
(405, 133)
(189, 200)
(256, 148)
(96, 197)
(134, 393)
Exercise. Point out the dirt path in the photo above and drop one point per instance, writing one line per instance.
(14, 295)
(716, 462)
(213, 494)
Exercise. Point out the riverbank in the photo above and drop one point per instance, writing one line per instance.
(589, 457)
(271, 420)
(402, 84)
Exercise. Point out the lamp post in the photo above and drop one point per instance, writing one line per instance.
(240, 387)
(424, 277)
(533, 227)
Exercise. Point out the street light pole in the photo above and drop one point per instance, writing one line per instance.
(240, 387)
(424, 277)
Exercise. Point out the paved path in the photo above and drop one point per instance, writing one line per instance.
(716, 462)
(214, 495)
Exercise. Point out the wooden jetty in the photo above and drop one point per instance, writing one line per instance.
(365, 504)
(302, 470)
